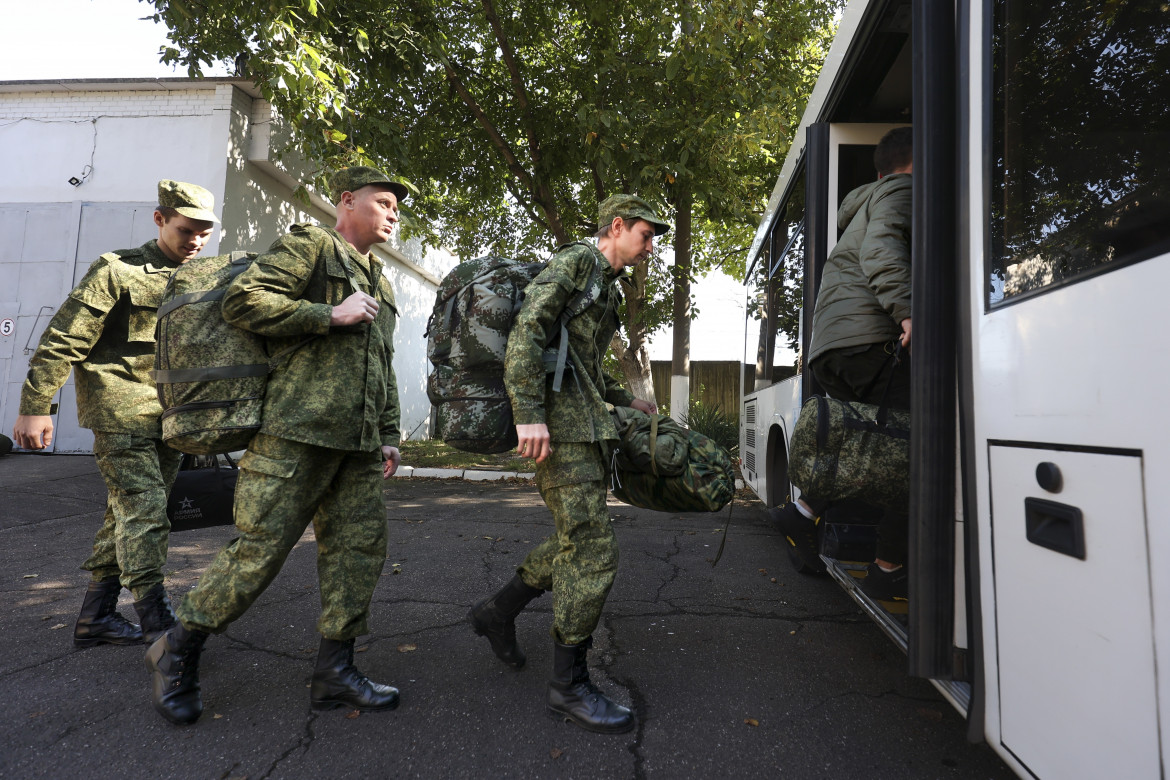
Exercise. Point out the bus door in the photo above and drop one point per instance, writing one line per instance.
(840, 160)
(1069, 221)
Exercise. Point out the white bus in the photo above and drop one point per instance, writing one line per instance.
(1039, 563)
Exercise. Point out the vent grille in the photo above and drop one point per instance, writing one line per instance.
(750, 437)
(749, 413)
(750, 460)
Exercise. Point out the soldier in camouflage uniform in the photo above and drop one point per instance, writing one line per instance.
(566, 432)
(329, 436)
(104, 333)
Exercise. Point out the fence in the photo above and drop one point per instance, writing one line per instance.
(713, 382)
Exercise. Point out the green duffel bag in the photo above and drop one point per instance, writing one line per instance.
(701, 478)
(845, 450)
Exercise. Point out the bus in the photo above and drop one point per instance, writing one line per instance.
(1039, 570)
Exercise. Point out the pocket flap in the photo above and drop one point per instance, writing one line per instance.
(254, 461)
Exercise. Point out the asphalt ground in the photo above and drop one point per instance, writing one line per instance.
(746, 669)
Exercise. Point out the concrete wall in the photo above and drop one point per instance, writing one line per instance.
(120, 138)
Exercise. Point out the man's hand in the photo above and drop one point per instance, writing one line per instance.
(644, 406)
(392, 458)
(534, 441)
(906, 333)
(359, 307)
(33, 431)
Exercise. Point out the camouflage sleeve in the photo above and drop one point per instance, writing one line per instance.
(265, 298)
(69, 337)
(544, 301)
(389, 424)
(616, 394)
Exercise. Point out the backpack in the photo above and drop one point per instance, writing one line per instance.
(467, 336)
(658, 464)
(210, 375)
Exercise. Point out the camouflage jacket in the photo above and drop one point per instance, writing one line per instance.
(338, 390)
(578, 412)
(104, 332)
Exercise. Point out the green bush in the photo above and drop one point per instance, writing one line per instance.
(714, 423)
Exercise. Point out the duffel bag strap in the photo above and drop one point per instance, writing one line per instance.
(883, 412)
(654, 444)
(727, 525)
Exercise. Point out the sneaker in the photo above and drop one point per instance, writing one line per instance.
(882, 585)
(801, 535)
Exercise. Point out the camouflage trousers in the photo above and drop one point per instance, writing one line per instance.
(579, 561)
(283, 486)
(132, 542)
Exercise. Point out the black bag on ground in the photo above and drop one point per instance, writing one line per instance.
(203, 493)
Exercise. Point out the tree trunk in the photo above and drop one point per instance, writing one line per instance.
(635, 365)
(680, 362)
(632, 357)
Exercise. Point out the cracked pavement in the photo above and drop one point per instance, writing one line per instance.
(746, 669)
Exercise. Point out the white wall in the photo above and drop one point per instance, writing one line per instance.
(121, 138)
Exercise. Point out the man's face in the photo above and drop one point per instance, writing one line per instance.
(181, 238)
(373, 213)
(633, 241)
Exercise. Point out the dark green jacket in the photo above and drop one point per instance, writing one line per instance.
(577, 413)
(865, 288)
(104, 333)
(338, 390)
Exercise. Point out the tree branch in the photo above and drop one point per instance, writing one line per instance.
(488, 126)
(541, 190)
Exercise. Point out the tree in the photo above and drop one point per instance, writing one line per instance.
(516, 119)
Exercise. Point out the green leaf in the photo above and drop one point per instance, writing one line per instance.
(672, 66)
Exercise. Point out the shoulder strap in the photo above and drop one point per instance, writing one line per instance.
(577, 304)
(239, 260)
(343, 256)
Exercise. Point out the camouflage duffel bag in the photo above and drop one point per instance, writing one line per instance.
(845, 450)
(658, 464)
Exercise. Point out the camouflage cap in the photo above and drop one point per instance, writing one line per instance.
(629, 207)
(355, 177)
(188, 200)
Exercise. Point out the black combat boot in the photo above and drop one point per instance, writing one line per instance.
(100, 622)
(173, 663)
(338, 683)
(495, 618)
(572, 696)
(154, 611)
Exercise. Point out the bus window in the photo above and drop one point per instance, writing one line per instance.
(774, 297)
(1081, 147)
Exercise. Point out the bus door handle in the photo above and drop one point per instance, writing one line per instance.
(1054, 526)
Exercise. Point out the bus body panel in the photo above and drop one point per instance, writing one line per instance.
(767, 418)
(1070, 379)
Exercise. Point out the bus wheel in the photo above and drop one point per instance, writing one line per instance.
(800, 564)
(802, 538)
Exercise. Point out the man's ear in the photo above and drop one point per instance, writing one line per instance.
(617, 226)
(159, 219)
